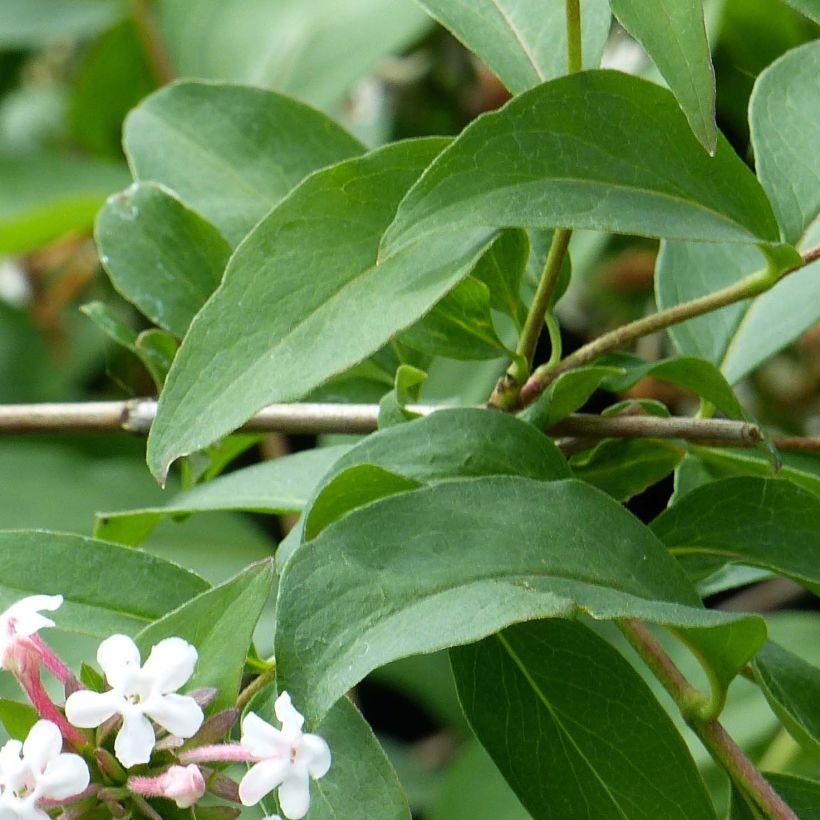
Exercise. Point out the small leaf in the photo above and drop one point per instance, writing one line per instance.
(161, 256)
(220, 624)
(792, 687)
(107, 588)
(523, 43)
(674, 35)
(761, 522)
(784, 115)
(284, 319)
(17, 718)
(501, 269)
(452, 563)
(230, 152)
(407, 389)
(576, 152)
(44, 196)
(282, 485)
(565, 734)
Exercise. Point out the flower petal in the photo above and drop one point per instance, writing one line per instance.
(291, 720)
(65, 776)
(170, 664)
(135, 740)
(261, 779)
(315, 755)
(294, 795)
(181, 715)
(26, 613)
(43, 743)
(261, 739)
(119, 658)
(88, 709)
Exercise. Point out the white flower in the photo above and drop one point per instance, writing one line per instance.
(286, 759)
(22, 620)
(139, 691)
(42, 771)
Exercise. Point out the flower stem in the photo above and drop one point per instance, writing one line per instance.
(154, 48)
(711, 733)
(219, 752)
(574, 53)
(256, 685)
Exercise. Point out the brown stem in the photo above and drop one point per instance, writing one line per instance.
(151, 40)
(714, 737)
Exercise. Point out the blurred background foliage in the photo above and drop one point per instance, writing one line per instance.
(70, 70)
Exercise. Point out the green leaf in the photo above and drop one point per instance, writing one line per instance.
(282, 485)
(107, 588)
(674, 35)
(801, 794)
(501, 269)
(761, 522)
(161, 256)
(17, 718)
(230, 152)
(577, 152)
(784, 115)
(308, 283)
(26, 24)
(220, 624)
(460, 326)
(811, 8)
(623, 468)
(406, 390)
(566, 394)
(316, 51)
(47, 195)
(565, 734)
(739, 337)
(523, 44)
(353, 488)
(792, 687)
(460, 560)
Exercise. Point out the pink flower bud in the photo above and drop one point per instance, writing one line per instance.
(182, 784)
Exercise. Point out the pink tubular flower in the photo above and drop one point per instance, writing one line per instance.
(182, 784)
(285, 759)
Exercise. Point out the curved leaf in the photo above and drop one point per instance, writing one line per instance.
(452, 563)
(303, 299)
(578, 733)
(577, 152)
(231, 152)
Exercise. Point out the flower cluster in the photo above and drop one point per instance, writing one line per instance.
(155, 729)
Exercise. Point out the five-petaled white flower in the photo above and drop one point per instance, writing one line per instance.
(41, 772)
(286, 758)
(139, 691)
(22, 620)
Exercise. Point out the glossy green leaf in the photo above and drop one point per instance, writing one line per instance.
(230, 152)
(524, 44)
(566, 394)
(792, 687)
(784, 115)
(766, 523)
(460, 326)
(353, 488)
(578, 734)
(33, 23)
(674, 35)
(811, 8)
(107, 588)
(220, 624)
(501, 269)
(314, 50)
(623, 468)
(161, 256)
(285, 319)
(282, 485)
(452, 563)
(576, 152)
(739, 337)
(44, 196)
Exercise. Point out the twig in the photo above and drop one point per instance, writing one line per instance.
(155, 51)
(714, 737)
